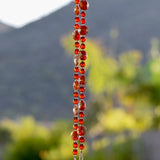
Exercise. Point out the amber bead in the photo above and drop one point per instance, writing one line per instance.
(75, 126)
(77, 44)
(76, 85)
(81, 146)
(84, 5)
(76, 1)
(76, 26)
(76, 35)
(76, 10)
(82, 89)
(76, 69)
(82, 96)
(81, 121)
(82, 64)
(75, 94)
(76, 76)
(81, 114)
(75, 119)
(75, 101)
(82, 130)
(82, 105)
(82, 139)
(83, 46)
(83, 55)
(83, 39)
(76, 60)
(75, 152)
(83, 21)
(82, 71)
(83, 14)
(82, 80)
(74, 135)
(77, 19)
(83, 30)
(75, 145)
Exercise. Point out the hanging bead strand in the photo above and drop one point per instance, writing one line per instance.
(76, 37)
(82, 78)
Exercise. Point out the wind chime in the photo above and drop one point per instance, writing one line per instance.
(79, 35)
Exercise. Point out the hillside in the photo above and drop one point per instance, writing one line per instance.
(5, 28)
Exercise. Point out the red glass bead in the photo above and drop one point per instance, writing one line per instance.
(77, 44)
(75, 152)
(75, 119)
(75, 94)
(77, 19)
(76, 85)
(82, 64)
(83, 39)
(84, 5)
(76, 51)
(75, 145)
(76, 26)
(83, 30)
(81, 146)
(83, 46)
(82, 89)
(82, 130)
(83, 21)
(75, 101)
(83, 14)
(82, 139)
(76, 35)
(82, 80)
(82, 105)
(76, 69)
(74, 136)
(83, 55)
(76, 1)
(76, 76)
(82, 71)
(76, 60)
(81, 114)
(81, 121)
(75, 126)
(82, 96)
(76, 10)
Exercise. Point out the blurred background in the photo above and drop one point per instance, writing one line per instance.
(36, 76)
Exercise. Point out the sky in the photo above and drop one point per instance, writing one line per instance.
(20, 12)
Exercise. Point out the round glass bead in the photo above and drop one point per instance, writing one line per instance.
(75, 94)
(76, 51)
(75, 152)
(77, 19)
(76, 35)
(83, 46)
(76, 10)
(76, 85)
(83, 21)
(76, 76)
(76, 69)
(82, 139)
(82, 130)
(76, 26)
(75, 145)
(82, 105)
(84, 5)
(77, 44)
(83, 14)
(82, 89)
(82, 64)
(82, 96)
(81, 114)
(82, 71)
(75, 119)
(76, 1)
(81, 146)
(83, 55)
(76, 60)
(75, 126)
(83, 39)
(82, 80)
(83, 30)
(75, 101)
(74, 136)
(81, 121)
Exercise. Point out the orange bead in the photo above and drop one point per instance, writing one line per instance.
(75, 145)
(76, 85)
(82, 89)
(82, 130)
(82, 71)
(82, 139)
(76, 26)
(74, 135)
(83, 30)
(82, 96)
(75, 119)
(81, 114)
(82, 80)
(84, 5)
(76, 60)
(76, 35)
(75, 152)
(76, 1)
(76, 76)
(75, 110)
(76, 51)
(83, 55)
(83, 21)
(81, 121)
(75, 126)
(83, 14)
(81, 146)
(82, 64)
(77, 44)
(76, 10)
(83, 46)
(82, 105)
(76, 69)
(83, 39)
(75, 101)
(77, 19)
(75, 94)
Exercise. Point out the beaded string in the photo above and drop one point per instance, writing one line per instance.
(79, 78)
